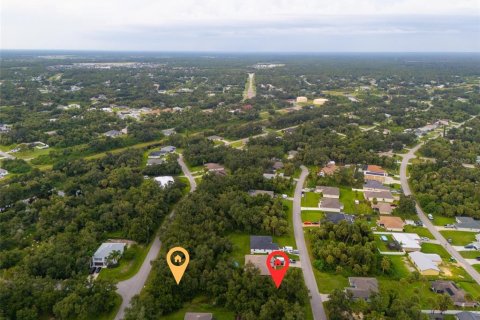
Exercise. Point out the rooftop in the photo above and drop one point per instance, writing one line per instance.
(362, 287)
(337, 217)
(385, 194)
(390, 222)
(261, 192)
(374, 184)
(468, 223)
(329, 191)
(425, 261)
(262, 243)
(330, 203)
(375, 168)
(106, 248)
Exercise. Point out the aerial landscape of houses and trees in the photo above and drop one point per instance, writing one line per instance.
(361, 166)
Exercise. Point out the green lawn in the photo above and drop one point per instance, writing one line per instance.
(421, 231)
(382, 245)
(348, 197)
(241, 246)
(400, 269)
(470, 254)
(312, 215)
(310, 199)
(435, 248)
(459, 238)
(421, 288)
(237, 144)
(289, 238)
(111, 315)
(201, 304)
(187, 183)
(471, 287)
(129, 264)
(441, 220)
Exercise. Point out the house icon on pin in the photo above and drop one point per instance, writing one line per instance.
(177, 259)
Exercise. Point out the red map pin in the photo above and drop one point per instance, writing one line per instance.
(277, 267)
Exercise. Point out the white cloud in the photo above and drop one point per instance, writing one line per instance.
(107, 24)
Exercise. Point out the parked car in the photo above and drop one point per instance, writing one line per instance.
(92, 270)
(292, 260)
(449, 240)
(430, 216)
(449, 226)
(307, 223)
(477, 258)
(425, 239)
(469, 246)
(284, 196)
(419, 223)
(97, 270)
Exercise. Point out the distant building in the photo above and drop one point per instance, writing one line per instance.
(426, 263)
(214, 138)
(168, 132)
(4, 128)
(319, 101)
(168, 149)
(329, 169)
(302, 99)
(100, 257)
(254, 193)
(455, 293)
(362, 287)
(262, 244)
(467, 315)
(113, 133)
(277, 165)
(3, 173)
(155, 161)
(215, 168)
(164, 181)
(270, 176)
(198, 316)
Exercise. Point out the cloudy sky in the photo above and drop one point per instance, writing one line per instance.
(242, 26)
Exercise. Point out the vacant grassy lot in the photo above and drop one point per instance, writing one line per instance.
(289, 238)
(201, 304)
(241, 246)
(129, 264)
(441, 220)
(310, 199)
(111, 315)
(435, 248)
(312, 215)
(459, 238)
(421, 231)
(470, 254)
(348, 197)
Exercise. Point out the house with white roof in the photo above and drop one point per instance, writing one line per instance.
(426, 263)
(164, 181)
(408, 241)
(100, 257)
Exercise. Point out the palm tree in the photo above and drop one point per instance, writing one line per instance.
(113, 257)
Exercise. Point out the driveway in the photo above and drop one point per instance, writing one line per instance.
(310, 281)
(427, 223)
(133, 286)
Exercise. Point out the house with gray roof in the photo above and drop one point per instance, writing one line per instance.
(467, 224)
(453, 291)
(113, 133)
(362, 287)
(198, 316)
(328, 192)
(374, 185)
(467, 315)
(330, 205)
(262, 244)
(336, 218)
(254, 193)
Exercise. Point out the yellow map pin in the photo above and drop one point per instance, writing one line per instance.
(179, 264)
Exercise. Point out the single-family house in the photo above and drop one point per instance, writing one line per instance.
(391, 223)
(329, 169)
(270, 176)
(254, 193)
(168, 149)
(362, 287)
(328, 192)
(259, 261)
(154, 161)
(383, 208)
(198, 316)
(302, 99)
(155, 155)
(426, 263)
(375, 186)
(168, 132)
(3, 173)
(262, 244)
(164, 181)
(336, 218)
(292, 154)
(215, 168)
(373, 172)
(408, 241)
(467, 224)
(214, 138)
(277, 165)
(381, 196)
(466, 315)
(330, 205)
(113, 133)
(455, 293)
(101, 256)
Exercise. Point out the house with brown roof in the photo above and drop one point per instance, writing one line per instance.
(329, 169)
(259, 261)
(215, 168)
(362, 287)
(198, 316)
(383, 208)
(374, 172)
(391, 223)
(453, 291)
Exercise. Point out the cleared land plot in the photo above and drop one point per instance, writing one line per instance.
(348, 197)
(435, 248)
(421, 231)
(310, 199)
(312, 215)
(459, 238)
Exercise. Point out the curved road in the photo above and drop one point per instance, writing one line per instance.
(131, 287)
(438, 236)
(310, 281)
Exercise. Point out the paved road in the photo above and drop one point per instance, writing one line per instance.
(6, 155)
(310, 281)
(245, 140)
(250, 91)
(133, 286)
(438, 236)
